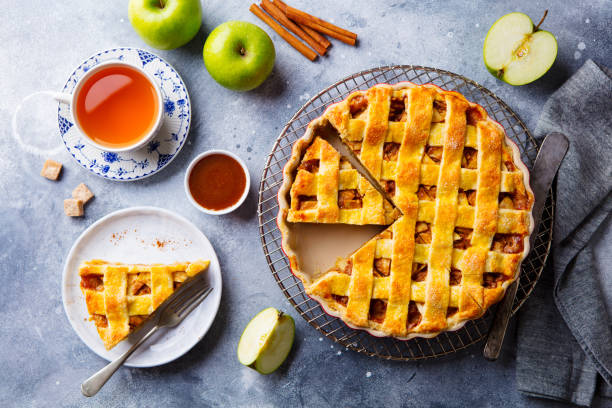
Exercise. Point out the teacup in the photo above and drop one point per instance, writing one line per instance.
(116, 105)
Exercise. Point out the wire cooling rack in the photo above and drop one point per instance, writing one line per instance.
(272, 177)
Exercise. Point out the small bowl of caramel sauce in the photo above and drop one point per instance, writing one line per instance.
(217, 182)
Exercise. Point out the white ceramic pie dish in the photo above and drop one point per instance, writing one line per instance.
(295, 244)
(142, 235)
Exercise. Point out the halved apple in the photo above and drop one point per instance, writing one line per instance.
(266, 340)
(516, 51)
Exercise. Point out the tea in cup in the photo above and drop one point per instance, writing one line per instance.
(117, 106)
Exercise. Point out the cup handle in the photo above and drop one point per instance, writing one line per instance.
(62, 97)
(33, 149)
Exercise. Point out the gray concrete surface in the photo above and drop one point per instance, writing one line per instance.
(43, 361)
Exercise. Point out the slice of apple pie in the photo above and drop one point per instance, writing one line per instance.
(120, 297)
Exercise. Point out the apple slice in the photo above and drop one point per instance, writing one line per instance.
(266, 340)
(516, 51)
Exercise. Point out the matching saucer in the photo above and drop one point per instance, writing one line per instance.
(161, 150)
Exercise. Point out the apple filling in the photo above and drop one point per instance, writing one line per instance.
(508, 243)
(311, 166)
(433, 155)
(507, 162)
(513, 201)
(378, 308)
(454, 277)
(439, 109)
(382, 267)
(99, 320)
(179, 277)
(343, 300)
(467, 197)
(462, 238)
(419, 272)
(345, 267)
(349, 199)
(139, 284)
(469, 159)
(397, 110)
(358, 106)
(92, 282)
(491, 280)
(307, 202)
(427, 193)
(389, 187)
(422, 233)
(475, 115)
(414, 316)
(391, 151)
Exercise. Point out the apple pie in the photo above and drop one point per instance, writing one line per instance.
(120, 297)
(465, 206)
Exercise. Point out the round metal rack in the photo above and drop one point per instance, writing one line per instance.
(310, 310)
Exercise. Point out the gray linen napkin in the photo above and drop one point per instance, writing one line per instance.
(564, 334)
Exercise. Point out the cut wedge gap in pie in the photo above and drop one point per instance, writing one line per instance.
(465, 206)
(121, 297)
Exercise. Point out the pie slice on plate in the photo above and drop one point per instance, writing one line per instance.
(120, 297)
(466, 212)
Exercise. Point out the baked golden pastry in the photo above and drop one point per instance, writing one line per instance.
(328, 189)
(466, 206)
(120, 297)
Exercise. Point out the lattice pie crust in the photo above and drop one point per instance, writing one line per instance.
(464, 198)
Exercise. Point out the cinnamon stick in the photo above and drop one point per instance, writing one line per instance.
(320, 38)
(294, 42)
(331, 33)
(281, 5)
(317, 23)
(277, 14)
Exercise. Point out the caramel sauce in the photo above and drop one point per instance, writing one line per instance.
(217, 182)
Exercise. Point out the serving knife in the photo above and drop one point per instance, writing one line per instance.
(552, 151)
(333, 138)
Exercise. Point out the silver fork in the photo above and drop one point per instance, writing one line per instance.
(177, 308)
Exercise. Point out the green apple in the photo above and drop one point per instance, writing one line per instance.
(266, 340)
(516, 51)
(239, 55)
(165, 24)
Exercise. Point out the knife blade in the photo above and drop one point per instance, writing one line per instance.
(549, 158)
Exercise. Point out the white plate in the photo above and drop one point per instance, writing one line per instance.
(142, 235)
